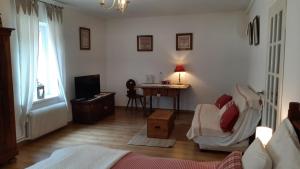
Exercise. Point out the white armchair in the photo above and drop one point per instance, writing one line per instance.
(206, 131)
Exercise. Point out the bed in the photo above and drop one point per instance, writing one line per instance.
(282, 152)
(98, 157)
(207, 133)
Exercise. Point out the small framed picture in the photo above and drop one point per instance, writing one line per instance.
(85, 38)
(250, 33)
(256, 30)
(145, 43)
(184, 41)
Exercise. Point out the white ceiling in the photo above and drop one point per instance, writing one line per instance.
(142, 8)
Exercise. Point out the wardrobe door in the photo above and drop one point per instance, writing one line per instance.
(2, 104)
(8, 144)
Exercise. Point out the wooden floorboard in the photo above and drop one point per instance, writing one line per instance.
(113, 131)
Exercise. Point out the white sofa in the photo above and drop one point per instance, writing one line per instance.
(206, 131)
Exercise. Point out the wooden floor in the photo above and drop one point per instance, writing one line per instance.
(114, 131)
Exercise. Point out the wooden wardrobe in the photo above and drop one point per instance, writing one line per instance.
(8, 143)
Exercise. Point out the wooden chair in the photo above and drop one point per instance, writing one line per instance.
(132, 95)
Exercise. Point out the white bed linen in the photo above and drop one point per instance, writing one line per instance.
(81, 157)
(284, 147)
(256, 157)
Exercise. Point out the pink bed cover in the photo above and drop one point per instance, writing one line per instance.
(136, 161)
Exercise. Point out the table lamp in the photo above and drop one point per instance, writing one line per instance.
(264, 134)
(179, 69)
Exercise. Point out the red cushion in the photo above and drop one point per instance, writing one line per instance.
(229, 118)
(232, 161)
(223, 100)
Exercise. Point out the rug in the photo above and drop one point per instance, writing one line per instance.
(141, 139)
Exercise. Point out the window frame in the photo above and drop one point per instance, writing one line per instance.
(51, 99)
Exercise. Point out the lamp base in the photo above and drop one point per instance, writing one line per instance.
(179, 80)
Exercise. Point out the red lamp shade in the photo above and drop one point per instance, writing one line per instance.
(179, 68)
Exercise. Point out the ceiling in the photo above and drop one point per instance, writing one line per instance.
(144, 8)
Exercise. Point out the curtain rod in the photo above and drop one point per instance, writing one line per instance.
(52, 3)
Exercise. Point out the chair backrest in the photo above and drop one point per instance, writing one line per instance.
(130, 84)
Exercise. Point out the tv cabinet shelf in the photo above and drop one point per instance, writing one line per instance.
(89, 111)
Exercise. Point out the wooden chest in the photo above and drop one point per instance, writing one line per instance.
(92, 110)
(160, 124)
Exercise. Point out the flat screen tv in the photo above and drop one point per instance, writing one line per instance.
(86, 87)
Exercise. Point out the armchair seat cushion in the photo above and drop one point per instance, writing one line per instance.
(206, 122)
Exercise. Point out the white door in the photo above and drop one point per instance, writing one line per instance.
(275, 63)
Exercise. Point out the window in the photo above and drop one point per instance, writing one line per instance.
(47, 72)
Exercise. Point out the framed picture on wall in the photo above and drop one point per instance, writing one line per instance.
(145, 43)
(85, 38)
(256, 30)
(184, 41)
(250, 33)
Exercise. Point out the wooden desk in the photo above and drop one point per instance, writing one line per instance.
(173, 91)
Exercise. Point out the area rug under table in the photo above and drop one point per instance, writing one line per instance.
(141, 139)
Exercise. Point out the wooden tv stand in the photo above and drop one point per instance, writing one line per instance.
(92, 110)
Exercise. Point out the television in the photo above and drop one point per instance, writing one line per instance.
(86, 87)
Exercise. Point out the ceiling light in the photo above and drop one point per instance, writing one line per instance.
(120, 5)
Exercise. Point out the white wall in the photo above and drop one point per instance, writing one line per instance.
(291, 83)
(258, 54)
(83, 62)
(218, 61)
(5, 10)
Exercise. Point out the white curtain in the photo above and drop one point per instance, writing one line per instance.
(52, 15)
(25, 62)
(27, 15)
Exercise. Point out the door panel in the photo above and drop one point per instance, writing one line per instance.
(275, 63)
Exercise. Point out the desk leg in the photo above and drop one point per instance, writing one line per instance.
(145, 105)
(174, 107)
(174, 104)
(150, 104)
(178, 101)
